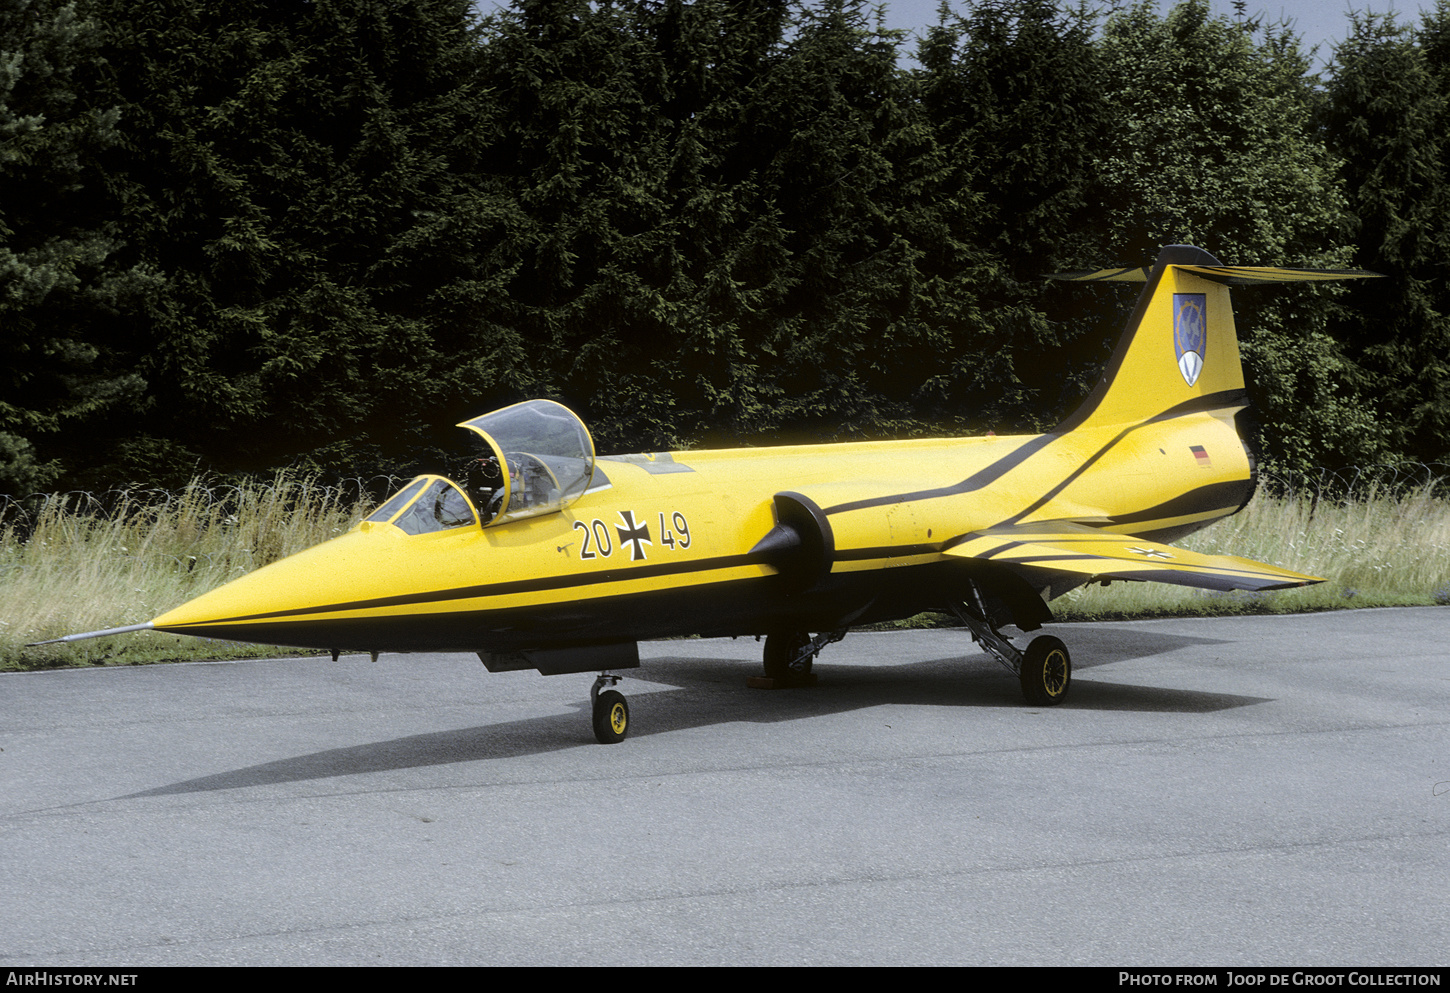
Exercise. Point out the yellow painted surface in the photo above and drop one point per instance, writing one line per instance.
(1149, 452)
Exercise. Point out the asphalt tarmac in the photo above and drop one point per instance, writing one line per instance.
(1227, 792)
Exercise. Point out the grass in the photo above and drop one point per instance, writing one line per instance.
(75, 562)
(1378, 549)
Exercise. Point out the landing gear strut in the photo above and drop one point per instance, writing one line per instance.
(789, 656)
(1044, 671)
(611, 710)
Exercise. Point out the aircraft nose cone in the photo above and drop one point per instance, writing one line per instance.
(307, 600)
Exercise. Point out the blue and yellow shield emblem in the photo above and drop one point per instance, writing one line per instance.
(1190, 333)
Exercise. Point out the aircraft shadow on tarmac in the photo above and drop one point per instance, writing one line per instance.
(672, 694)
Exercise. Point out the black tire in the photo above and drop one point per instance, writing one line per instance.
(780, 648)
(611, 717)
(1046, 672)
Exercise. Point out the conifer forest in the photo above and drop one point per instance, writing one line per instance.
(238, 236)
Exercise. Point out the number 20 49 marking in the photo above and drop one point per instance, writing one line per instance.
(598, 542)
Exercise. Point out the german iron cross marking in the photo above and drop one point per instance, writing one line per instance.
(636, 534)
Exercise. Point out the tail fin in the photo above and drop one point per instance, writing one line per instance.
(1180, 351)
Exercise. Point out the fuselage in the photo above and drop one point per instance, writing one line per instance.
(670, 544)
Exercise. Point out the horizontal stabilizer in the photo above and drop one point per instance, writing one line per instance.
(1231, 275)
(1072, 548)
(1118, 274)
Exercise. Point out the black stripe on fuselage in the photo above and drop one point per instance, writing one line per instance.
(1198, 405)
(886, 552)
(994, 550)
(538, 585)
(990, 474)
(1215, 497)
(755, 605)
(976, 481)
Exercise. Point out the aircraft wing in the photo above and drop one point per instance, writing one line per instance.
(1062, 546)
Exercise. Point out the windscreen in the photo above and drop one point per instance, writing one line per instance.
(427, 504)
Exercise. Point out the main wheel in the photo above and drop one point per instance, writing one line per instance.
(611, 717)
(1046, 672)
(780, 648)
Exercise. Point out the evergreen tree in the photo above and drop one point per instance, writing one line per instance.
(301, 174)
(1217, 146)
(58, 274)
(877, 279)
(1388, 116)
(736, 217)
(583, 158)
(1014, 90)
(243, 234)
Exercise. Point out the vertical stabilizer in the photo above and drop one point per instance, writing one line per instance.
(1179, 349)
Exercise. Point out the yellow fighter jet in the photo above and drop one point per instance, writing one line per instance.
(548, 557)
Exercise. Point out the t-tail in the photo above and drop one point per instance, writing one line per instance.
(1179, 352)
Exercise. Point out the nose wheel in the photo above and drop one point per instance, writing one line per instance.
(611, 711)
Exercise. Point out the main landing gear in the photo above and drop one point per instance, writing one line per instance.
(789, 656)
(611, 710)
(1044, 670)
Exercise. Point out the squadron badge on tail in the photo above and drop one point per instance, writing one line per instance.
(1190, 333)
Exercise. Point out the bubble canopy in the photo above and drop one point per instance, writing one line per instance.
(538, 458)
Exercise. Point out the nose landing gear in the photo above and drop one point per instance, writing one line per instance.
(610, 711)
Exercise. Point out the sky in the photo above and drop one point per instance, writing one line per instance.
(1318, 22)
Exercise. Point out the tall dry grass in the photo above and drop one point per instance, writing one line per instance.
(1376, 545)
(75, 562)
(79, 562)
